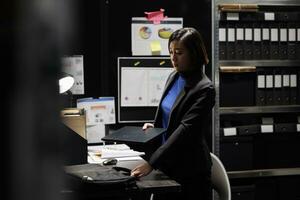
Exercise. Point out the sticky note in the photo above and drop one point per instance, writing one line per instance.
(155, 47)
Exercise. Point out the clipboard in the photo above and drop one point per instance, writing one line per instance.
(134, 134)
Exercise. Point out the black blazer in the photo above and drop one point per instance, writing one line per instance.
(185, 155)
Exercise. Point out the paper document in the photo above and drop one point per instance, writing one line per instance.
(99, 148)
(95, 158)
(99, 153)
(108, 153)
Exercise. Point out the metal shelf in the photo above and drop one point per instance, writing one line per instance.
(261, 63)
(259, 109)
(264, 173)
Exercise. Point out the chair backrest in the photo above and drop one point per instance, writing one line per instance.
(219, 178)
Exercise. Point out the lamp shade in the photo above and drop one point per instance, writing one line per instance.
(66, 81)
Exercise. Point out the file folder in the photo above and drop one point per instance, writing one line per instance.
(269, 88)
(298, 88)
(239, 50)
(292, 42)
(240, 148)
(222, 42)
(231, 42)
(134, 134)
(283, 47)
(237, 88)
(267, 128)
(260, 87)
(287, 16)
(248, 46)
(256, 42)
(265, 43)
(291, 19)
(293, 87)
(223, 16)
(246, 17)
(249, 129)
(298, 42)
(274, 48)
(285, 128)
(286, 87)
(251, 16)
(277, 86)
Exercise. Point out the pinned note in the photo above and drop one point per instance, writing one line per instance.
(155, 47)
(156, 16)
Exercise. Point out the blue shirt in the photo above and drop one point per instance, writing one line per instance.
(168, 102)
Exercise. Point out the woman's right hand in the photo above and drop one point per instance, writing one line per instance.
(147, 125)
(141, 170)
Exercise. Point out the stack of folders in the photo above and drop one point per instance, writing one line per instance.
(259, 35)
(277, 86)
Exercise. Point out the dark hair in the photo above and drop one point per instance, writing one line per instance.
(193, 41)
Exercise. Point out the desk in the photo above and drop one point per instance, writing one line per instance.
(155, 182)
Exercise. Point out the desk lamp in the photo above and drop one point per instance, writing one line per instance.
(66, 81)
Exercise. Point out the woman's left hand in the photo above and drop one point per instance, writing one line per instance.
(141, 170)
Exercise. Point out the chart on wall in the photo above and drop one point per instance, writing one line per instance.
(149, 38)
(142, 86)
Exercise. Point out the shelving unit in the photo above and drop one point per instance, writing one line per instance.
(256, 73)
(259, 109)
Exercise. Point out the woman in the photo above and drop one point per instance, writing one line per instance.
(184, 110)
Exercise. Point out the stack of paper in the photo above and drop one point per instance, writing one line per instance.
(98, 148)
(97, 154)
(109, 153)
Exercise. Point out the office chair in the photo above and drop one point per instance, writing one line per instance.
(219, 179)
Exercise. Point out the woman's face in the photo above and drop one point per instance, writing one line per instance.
(180, 57)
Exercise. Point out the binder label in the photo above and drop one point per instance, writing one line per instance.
(267, 128)
(293, 79)
(239, 34)
(232, 16)
(269, 16)
(261, 81)
(266, 34)
(230, 131)
(292, 34)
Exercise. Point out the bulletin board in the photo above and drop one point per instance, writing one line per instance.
(150, 39)
(141, 81)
